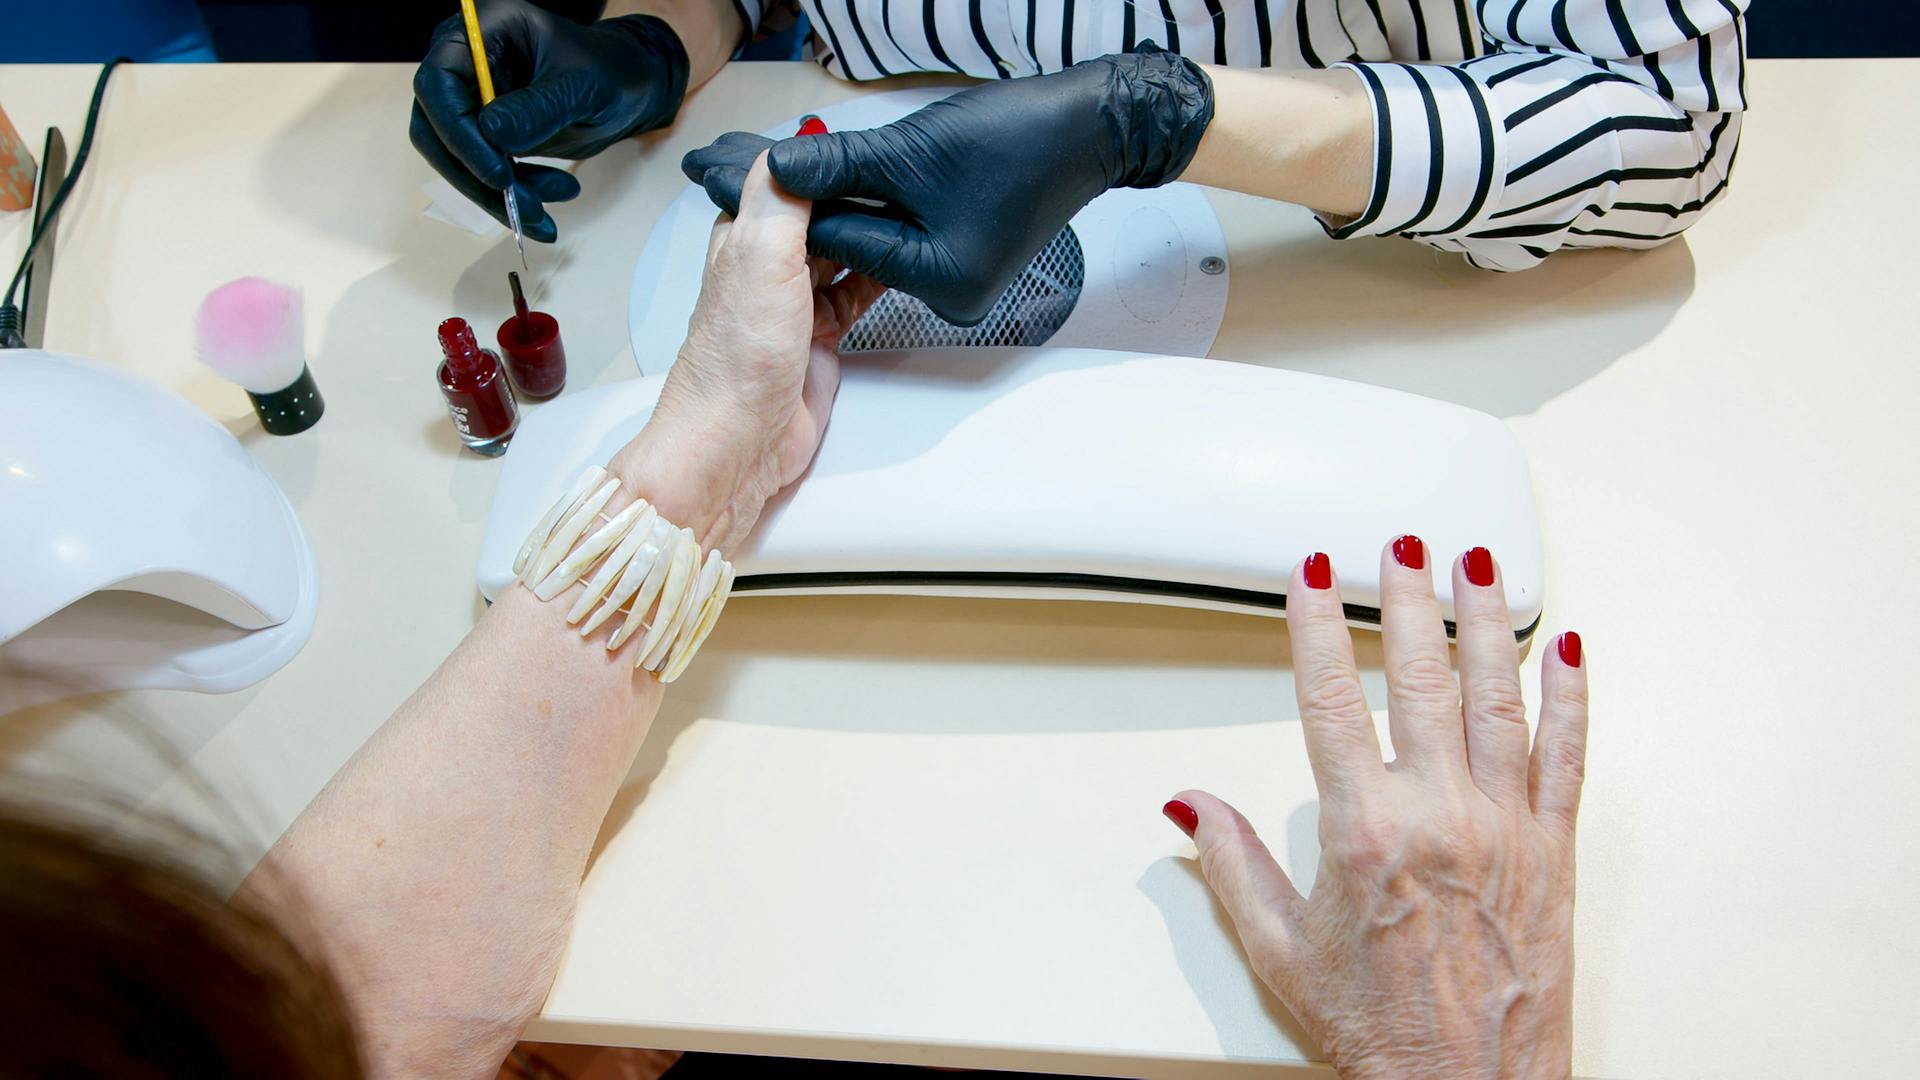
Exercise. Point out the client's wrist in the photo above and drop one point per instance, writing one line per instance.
(692, 480)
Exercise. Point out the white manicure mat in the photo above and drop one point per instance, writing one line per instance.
(1140, 270)
(1054, 473)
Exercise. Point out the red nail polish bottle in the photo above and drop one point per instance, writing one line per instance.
(478, 394)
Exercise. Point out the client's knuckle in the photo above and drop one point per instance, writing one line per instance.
(1564, 757)
(1498, 701)
(1331, 693)
(1425, 677)
(1569, 696)
(1357, 849)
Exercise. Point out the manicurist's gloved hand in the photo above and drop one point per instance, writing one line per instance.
(564, 90)
(972, 187)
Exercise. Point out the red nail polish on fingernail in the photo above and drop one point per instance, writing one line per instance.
(1318, 571)
(1479, 566)
(1410, 551)
(1182, 815)
(1570, 649)
(813, 125)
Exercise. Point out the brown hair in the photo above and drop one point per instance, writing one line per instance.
(121, 961)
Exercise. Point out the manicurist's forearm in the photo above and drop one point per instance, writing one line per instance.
(1303, 137)
(710, 30)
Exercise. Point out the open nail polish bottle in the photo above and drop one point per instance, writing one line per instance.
(479, 397)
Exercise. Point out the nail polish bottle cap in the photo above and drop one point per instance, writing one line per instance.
(535, 356)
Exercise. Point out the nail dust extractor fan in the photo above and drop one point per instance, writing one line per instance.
(1056, 473)
(144, 547)
(1139, 270)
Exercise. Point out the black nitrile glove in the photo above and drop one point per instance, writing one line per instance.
(565, 89)
(973, 186)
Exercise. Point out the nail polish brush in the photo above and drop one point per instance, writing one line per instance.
(519, 305)
(252, 332)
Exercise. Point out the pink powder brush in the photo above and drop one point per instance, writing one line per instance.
(252, 331)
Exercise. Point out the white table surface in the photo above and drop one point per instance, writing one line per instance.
(929, 830)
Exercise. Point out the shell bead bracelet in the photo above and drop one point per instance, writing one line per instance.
(635, 561)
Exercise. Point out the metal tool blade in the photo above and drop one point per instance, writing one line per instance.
(513, 222)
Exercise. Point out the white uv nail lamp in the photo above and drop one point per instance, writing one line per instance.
(1140, 270)
(144, 547)
(1061, 473)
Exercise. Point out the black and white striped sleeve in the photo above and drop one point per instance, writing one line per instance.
(1589, 123)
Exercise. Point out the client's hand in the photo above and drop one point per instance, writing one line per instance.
(1438, 938)
(747, 400)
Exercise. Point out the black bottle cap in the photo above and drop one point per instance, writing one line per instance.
(292, 410)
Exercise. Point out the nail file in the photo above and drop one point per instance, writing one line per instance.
(1055, 473)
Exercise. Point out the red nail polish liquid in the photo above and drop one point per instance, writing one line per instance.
(1570, 649)
(1479, 566)
(1318, 570)
(1181, 814)
(478, 394)
(1410, 551)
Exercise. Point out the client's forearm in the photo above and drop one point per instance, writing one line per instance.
(1301, 136)
(438, 870)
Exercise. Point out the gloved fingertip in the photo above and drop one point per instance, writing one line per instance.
(963, 315)
(550, 185)
(799, 164)
(723, 186)
(690, 166)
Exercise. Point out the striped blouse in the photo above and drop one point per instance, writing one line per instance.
(1504, 129)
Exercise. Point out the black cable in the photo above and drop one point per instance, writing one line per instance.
(10, 337)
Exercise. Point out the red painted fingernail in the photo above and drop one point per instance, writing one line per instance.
(1182, 815)
(1410, 551)
(1479, 566)
(1318, 571)
(1570, 649)
(813, 125)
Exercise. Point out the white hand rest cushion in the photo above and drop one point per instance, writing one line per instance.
(1084, 474)
(145, 548)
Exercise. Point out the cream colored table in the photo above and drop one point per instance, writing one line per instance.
(929, 831)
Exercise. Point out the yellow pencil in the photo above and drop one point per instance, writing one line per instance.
(485, 76)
